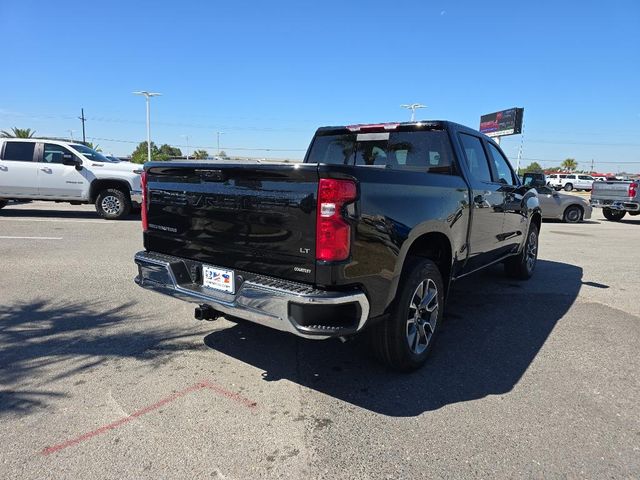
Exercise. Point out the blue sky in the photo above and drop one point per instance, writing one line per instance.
(268, 73)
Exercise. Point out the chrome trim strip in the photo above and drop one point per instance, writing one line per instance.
(263, 304)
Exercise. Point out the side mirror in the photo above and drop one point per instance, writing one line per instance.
(68, 159)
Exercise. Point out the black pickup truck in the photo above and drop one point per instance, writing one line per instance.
(367, 234)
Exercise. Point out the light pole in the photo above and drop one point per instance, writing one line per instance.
(147, 96)
(219, 133)
(413, 107)
(71, 133)
(187, 138)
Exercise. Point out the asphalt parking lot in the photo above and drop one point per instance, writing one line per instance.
(101, 379)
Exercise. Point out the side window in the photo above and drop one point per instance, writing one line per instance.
(585, 177)
(502, 168)
(333, 149)
(19, 151)
(476, 158)
(54, 153)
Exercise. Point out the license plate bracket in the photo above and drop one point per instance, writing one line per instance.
(220, 279)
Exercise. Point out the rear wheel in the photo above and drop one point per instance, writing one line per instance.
(613, 215)
(405, 339)
(568, 187)
(113, 204)
(522, 265)
(572, 214)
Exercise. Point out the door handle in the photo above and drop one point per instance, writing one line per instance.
(46, 170)
(3, 168)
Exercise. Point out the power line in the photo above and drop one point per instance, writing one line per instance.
(257, 149)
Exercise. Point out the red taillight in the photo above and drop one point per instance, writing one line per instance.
(143, 207)
(333, 234)
(633, 189)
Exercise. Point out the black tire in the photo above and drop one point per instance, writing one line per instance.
(113, 204)
(572, 214)
(3, 203)
(568, 187)
(404, 340)
(523, 265)
(613, 215)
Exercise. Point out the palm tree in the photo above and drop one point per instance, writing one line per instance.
(93, 147)
(200, 155)
(569, 164)
(18, 133)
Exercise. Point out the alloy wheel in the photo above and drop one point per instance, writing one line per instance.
(423, 316)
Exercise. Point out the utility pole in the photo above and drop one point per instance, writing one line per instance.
(413, 107)
(147, 96)
(592, 165)
(71, 133)
(81, 117)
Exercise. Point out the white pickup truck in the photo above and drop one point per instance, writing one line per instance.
(616, 198)
(42, 169)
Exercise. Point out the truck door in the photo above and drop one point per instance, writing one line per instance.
(18, 177)
(515, 214)
(487, 202)
(55, 179)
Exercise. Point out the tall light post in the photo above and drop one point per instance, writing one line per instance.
(413, 107)
(219, 133)
(187, 138)
(147, 96)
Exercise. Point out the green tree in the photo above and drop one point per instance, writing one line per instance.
(139, 155)
(223, 155)
(200, 154)
(169, 151)
(533, 167)
(95, 147)
(569, 164)
(18, 133)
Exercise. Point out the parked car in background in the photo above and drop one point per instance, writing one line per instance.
(570, 181)
(41, 169)
(560, 206)
(534, 180)
(616, 198)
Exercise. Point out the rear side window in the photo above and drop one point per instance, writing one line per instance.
(422, 151)
(476, 158)
(585, 177)
(19, 151)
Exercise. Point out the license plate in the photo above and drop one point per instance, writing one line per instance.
(218, 279)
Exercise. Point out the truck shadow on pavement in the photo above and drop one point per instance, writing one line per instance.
(44, 343)
(493, 330)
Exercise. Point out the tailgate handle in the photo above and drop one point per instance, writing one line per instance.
(211, 175)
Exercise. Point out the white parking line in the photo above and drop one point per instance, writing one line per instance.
(29, 238)
(56, 220)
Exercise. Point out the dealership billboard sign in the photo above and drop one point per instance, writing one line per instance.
(500, 124)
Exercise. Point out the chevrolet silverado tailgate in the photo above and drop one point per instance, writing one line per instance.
(610, 190)
(258, 218)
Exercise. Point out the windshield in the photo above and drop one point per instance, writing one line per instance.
(91, 154)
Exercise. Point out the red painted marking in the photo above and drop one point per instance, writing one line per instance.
(110, 426)
(229, 394)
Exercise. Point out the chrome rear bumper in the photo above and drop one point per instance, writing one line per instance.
(288, 306)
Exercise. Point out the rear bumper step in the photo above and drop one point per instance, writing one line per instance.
(616, 204)
(287, 306)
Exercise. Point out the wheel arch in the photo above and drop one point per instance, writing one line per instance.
(103, 183)
(435, 246)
